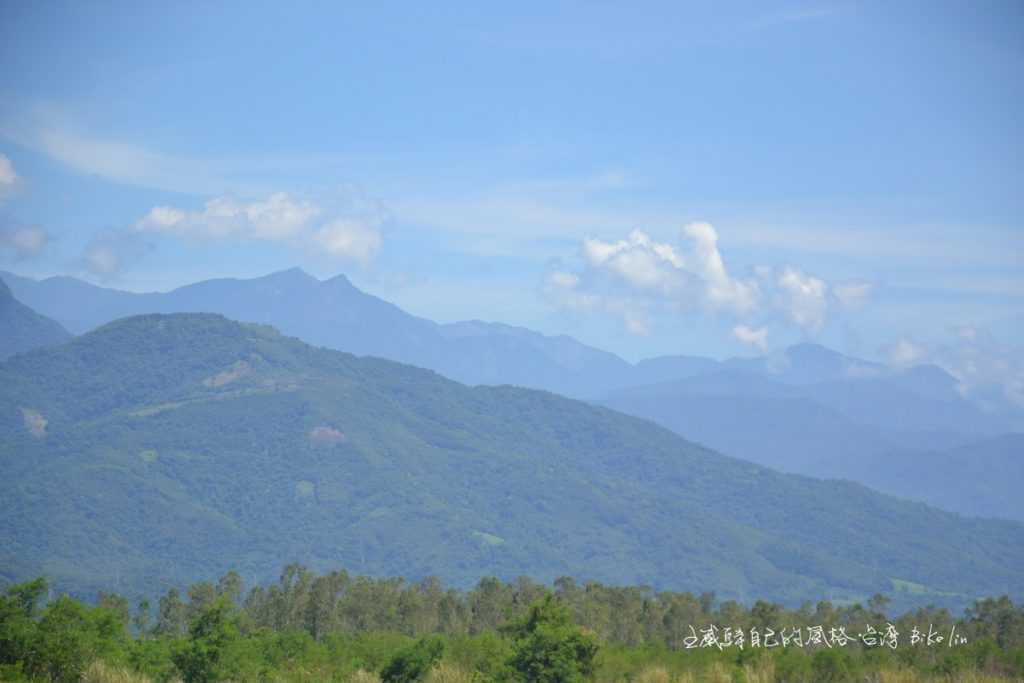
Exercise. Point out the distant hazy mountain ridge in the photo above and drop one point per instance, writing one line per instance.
(22, 329)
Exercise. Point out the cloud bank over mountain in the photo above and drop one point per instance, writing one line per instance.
(633, 277)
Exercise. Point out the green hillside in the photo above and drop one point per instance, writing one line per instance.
(171, 448)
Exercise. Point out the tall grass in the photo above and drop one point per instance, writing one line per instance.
(100, 672)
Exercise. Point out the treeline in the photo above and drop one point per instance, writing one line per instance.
(310, 627)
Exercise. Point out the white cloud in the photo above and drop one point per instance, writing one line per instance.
(968, 333)
(747, 335)
(50, 129)
(639, 273)
(638, 261)
(8, 178)
(659, 269)
(637, 324)
(630, 277)
(351, 239)
(905, 353)
(989, 372)
(852, 295)
(162, 219)
(566, 290)
(564, 280)
(722, 290)
(111, 159)
(23, 241)
(7, 175)
(277, 218)
(109, 252)
(803, 297)
(102, 260)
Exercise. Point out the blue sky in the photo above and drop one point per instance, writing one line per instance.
(652, 178)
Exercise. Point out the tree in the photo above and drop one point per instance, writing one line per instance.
(201, 658)
(27, 596)
(17, 628)
(230, 587)
(70, 636)
(141, 619)
(171, 619)
(877, 605)
(548, 647)
(116, 604)
(413, 663)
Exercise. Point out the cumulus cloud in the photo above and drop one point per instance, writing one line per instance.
(806, 300)
(102, 260)
(637, 323)
(638, 261)
(747, 335)
(905, 353)
(7, 175)
(721, 290)
(563, 289)
(630, 276)
(989, 371)
(638, 275)
(803, 298)
(110, 252)
(8, 178)
(23, 241)
(349, 239)
(277, 218)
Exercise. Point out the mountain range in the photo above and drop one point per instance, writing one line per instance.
(805, 409)
(167, 448)
(335, 314)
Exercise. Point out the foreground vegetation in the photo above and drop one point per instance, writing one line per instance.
(336, 627)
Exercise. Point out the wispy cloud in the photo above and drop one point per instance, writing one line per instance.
(918, 244)
(796, 15)
(51, 131)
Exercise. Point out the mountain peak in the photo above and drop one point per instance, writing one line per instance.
(295, 274)
(339, 279)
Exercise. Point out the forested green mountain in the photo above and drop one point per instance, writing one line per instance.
(172, 448)
(22, 329)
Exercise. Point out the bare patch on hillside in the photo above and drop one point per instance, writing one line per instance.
(326, 436)
(236, 372)
(35, 423)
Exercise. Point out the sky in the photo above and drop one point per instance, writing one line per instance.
(651, 178)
